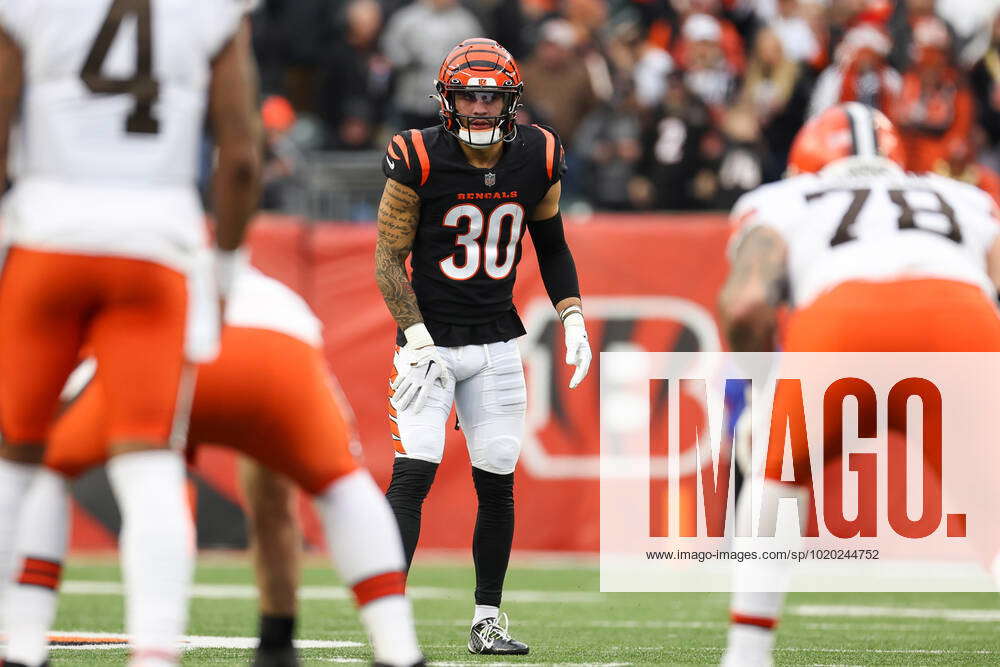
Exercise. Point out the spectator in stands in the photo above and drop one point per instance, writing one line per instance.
(707, 73)
(816, 14)
(557, 85)
(504, 21)
(859, 73)
(796, 35)
(355, 131)
(282, 157)
(589, 19)
(960, 164)
(735, 164)
(292, 38)
(416, 40)
(355, 73)
(729, 38)
(673, 142)
(902, 26)
(934, 110)
(985, 80)
(638, 64)
(777, 91)
(609, 141)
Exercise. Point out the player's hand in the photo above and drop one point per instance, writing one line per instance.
(577, 347)
(418, 367)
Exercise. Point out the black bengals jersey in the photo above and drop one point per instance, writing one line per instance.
(472, 220)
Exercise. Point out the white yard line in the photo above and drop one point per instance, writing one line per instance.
(530, 664)
(903, 651)
(188, 643)
(249, 592)
(863, 611)
(491, 663)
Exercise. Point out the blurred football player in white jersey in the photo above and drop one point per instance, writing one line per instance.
(107, 248)
(876, 260)
(269, 396)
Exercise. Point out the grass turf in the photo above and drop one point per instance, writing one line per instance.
(615, 628)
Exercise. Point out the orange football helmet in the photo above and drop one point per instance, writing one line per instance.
(849, 129)
(479, 66)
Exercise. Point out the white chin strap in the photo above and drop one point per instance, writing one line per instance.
(480, 137)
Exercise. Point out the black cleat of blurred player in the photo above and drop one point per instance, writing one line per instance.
(276, 657)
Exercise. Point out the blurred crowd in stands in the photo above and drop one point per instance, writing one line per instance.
(661, 104)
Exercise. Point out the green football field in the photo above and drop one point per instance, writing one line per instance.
(556, 609)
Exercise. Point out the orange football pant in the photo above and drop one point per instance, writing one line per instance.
(920, 315)
(267, 395)
(132, 313)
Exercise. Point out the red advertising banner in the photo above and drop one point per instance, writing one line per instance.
(648, 283)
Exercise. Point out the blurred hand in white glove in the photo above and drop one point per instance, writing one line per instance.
(577, 346)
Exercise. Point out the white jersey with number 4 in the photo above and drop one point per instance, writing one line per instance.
(881, 225)
(107, 149)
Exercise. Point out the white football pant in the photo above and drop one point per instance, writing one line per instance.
(491, 399)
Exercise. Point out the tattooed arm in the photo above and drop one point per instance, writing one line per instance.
(398, 213)
(748, 301)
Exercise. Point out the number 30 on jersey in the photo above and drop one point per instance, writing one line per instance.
(483, 254)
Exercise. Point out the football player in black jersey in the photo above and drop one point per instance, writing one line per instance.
(458, 199)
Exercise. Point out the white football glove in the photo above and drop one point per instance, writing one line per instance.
(577, 347)
(418, 366)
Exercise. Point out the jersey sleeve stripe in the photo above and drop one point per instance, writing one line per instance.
(398, 141)
(550, 150)
(422, 157)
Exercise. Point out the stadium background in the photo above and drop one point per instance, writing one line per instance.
(667, 109)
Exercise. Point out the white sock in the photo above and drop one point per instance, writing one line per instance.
(759, 585)
(749, 646)
(389, 621)
(484, 611)
(157, 550)
(41, 547)
(364, 542)
(14, 481)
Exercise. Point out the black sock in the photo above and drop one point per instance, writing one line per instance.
(494, 534)
(411, 480)
(276, 631)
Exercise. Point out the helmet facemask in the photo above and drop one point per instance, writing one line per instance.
(479, 131)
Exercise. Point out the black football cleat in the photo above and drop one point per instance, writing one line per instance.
(422, 663)
(286, 656)
(5, 663)
(490, 637)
